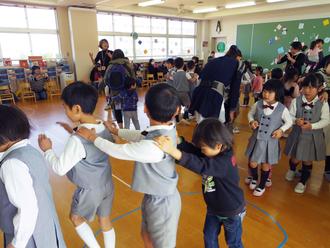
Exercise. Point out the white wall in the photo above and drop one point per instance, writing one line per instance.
(229, 23)
(84, 39)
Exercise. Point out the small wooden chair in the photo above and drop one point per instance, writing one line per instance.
(151, 79)
(26, 91)
(53, 89)
(160, 76)
(5, 94)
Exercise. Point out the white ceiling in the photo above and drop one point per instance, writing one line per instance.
(181, 8)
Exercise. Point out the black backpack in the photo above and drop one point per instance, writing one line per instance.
(117, 78)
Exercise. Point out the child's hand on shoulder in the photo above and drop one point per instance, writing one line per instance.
(44, 142)
(111, 127)
(300, 122)
(277, 134)
(66, 126)
(306, 126)
(88, 134)
(165, 143)
(254, 125)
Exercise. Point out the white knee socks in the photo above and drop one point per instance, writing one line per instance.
(109, 238)
(86, 234)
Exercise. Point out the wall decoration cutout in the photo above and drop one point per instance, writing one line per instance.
(134, 35)
(140, 42)
(221, 47)
(145, 51)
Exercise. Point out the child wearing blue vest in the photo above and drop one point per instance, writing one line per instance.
(211, 155)
(28, 216)
(269, 119)
(85, 166)
(306, 142)
(154, 174)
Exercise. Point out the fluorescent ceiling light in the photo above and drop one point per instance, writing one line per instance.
(240, 4)
(205, 10)
(151, 2)
(275, 1)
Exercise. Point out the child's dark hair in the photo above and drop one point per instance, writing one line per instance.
(275, 85)
(290, 74)
(14, 125)
(179, 63)
(212, 132)
(304, 48)
(313, 80)
(150, 61)
(296, 45)
(313, 44)
(259, 69)
(81, 94)
(118, 54)
(234, 52)
(319, 41)
(277, 73)
(103, 41)
(195, 59)
(34, 68)
(190, 65)
(162, 102)
(170, 61)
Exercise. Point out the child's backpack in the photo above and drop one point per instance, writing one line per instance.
(117, 78)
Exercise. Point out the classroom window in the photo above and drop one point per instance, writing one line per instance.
(142, 24)
(158, 25)
(15, 46)
(41, 18)
(143, 47)
(12, 17)
(125, 44)
(104, 22)
(122, 23)
(188, 46)
(174, 46)
(157, 37)
(33, 31)
(47, 49)
(188, 28)
(174, 27)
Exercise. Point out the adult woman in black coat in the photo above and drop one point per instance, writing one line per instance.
(103, 57)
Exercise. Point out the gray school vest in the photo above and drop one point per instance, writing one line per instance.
(47, 232)
(312, 115)
(95, 170)
(156, 178)
(180, 82)
(268, 123)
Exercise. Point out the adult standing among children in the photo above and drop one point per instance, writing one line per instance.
(295, 58)
(103, 57)
(118, 58)
(223, 70)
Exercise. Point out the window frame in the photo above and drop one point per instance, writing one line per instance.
(30, 31)
(152, 35)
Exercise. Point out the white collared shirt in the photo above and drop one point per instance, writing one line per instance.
(286, 118)
(74, 152)
(139, 149)
(325, 118)
(19, 186)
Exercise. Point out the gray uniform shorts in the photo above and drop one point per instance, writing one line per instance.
(90, 202)
(160, 218)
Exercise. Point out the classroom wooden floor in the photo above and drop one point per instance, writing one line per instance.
(281, 218)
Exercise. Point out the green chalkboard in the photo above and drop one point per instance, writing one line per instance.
(263, 42)
(244, 39)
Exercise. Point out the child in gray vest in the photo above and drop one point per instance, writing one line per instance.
(306, 142)
(154, 174)
(269, 119)
(85, 166)
(182, 85)
(27, 212)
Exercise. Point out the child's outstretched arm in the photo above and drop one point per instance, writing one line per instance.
(199, 164)
(128, 135)
(144, 151)
(74, 152)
